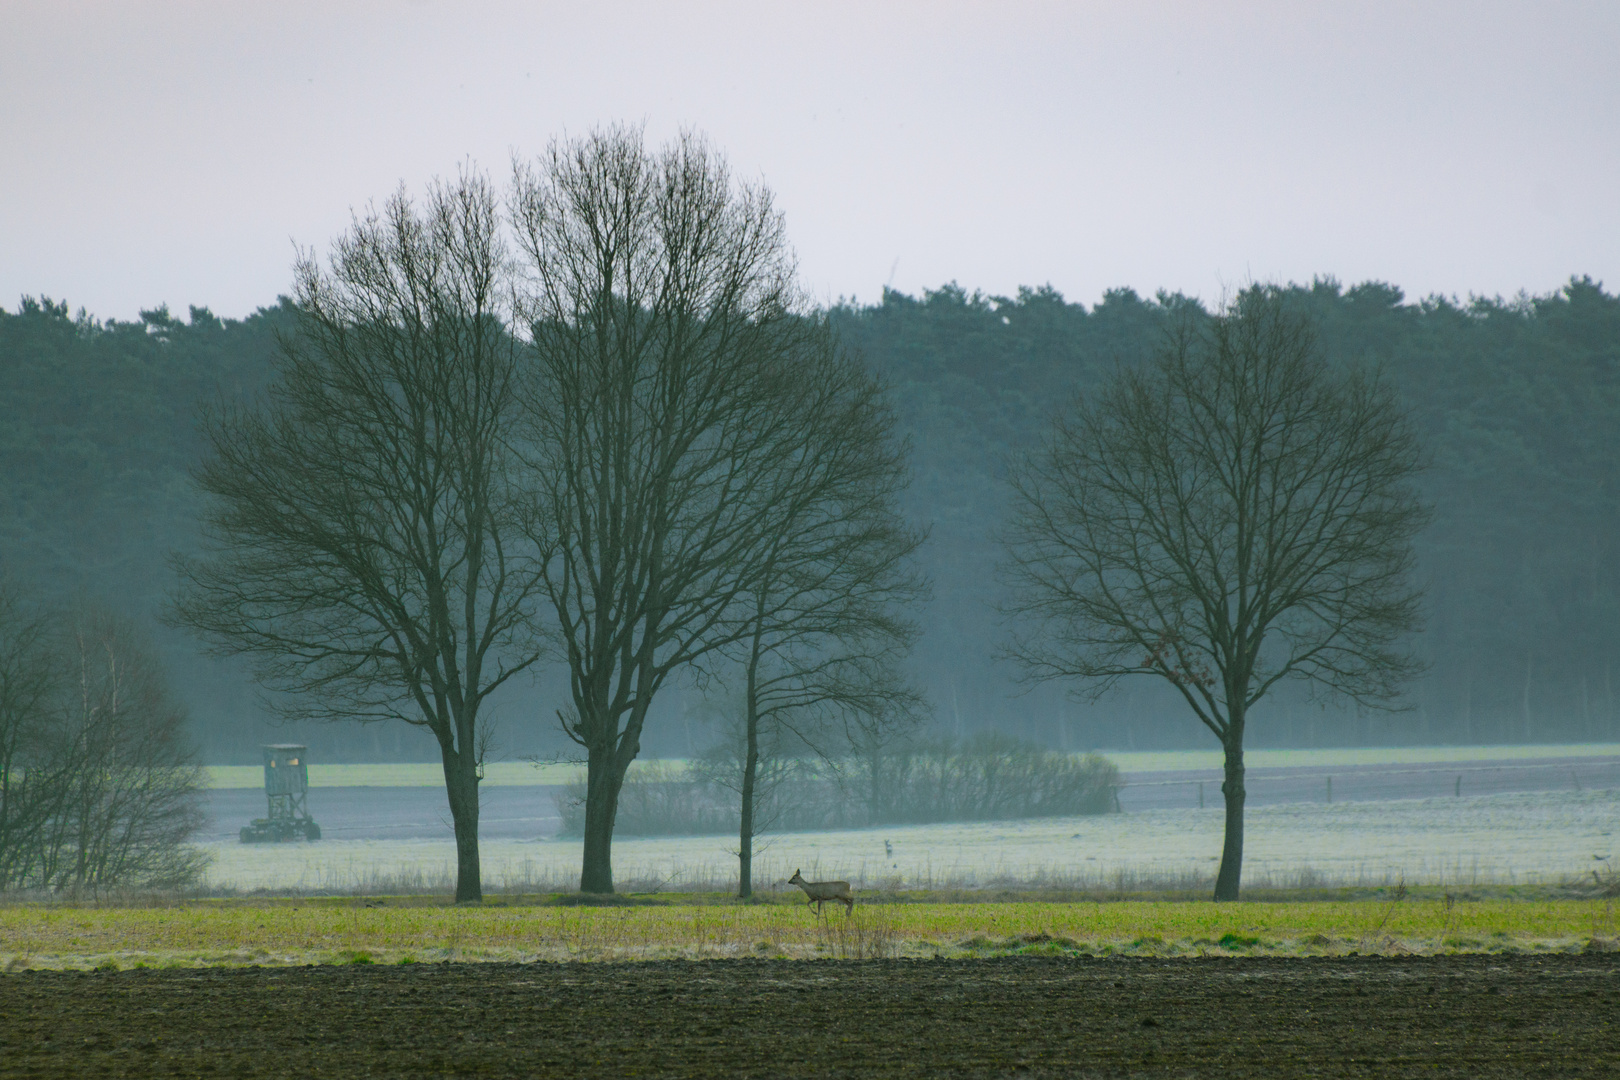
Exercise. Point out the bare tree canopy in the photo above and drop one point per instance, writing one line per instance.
(363, 521)
(99, 787)
(1232, 515)
(826, 612)
(672, 366)
(35, 775)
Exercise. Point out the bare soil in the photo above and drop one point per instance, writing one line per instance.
(1464, 1016)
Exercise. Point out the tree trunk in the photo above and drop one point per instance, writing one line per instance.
(745, 839)
(601, 807)
(745, 835)
(461, 787)
(1226, 883)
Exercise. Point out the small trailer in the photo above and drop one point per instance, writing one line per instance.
(286, 782)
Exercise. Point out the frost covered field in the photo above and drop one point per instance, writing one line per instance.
(1514, 838)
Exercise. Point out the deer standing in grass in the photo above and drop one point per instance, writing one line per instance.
(820, 892)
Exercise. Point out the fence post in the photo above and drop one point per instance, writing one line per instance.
(1458, 792)
(1200, 794)
(1330, 789)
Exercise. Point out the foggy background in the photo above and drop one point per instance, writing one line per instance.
(160, 163)
(174, 152)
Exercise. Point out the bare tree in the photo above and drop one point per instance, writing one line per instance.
(98, 785)
(363, 520)
(1234, 514)
(136, 793)
(825, 612)
(33, 776)
(669, 356)
(825, 699)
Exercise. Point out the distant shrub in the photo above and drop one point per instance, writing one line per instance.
(989, 777)
(658, 799)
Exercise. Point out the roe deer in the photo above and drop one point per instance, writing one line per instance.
(820, 892)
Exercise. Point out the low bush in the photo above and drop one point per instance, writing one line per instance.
(990, 777)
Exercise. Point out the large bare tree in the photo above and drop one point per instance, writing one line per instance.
(669, 353)
(363, 518)
(1234, 514)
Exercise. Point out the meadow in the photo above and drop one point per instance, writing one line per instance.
(1527, 872)
(528, 929)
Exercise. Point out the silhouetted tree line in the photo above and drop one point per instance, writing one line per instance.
(1517, 402)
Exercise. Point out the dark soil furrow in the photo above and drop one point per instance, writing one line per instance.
(1463, 1016)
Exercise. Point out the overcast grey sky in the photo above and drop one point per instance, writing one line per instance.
(175, 152)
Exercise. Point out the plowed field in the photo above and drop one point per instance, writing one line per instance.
(1453, 1016)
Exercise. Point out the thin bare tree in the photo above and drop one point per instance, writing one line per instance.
(1232, 515)
(34, 776)
(99, 786)
(363, 520)
(136, 792)
(670, 352)
(826, 612)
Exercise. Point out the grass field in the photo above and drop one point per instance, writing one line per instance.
(1550, 840)
(406, 930)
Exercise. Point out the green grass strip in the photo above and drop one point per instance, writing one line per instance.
(349, 931)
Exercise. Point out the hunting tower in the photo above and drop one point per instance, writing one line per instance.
(286, 783)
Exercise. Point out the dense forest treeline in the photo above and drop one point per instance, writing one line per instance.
(1518, 403)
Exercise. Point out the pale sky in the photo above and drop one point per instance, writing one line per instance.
(176, 152)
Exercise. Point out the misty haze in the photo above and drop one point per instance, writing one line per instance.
(1098, 524)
